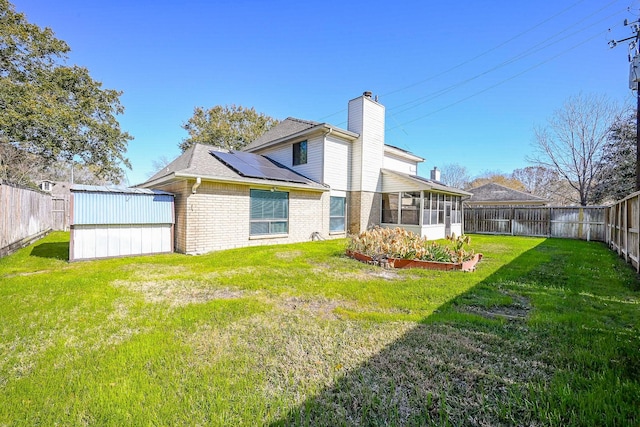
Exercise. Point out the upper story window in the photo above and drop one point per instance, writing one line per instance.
(300, 153)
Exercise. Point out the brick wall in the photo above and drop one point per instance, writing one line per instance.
(217, 217)
(181, 190)
(365, 210)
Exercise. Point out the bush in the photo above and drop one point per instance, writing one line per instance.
(400, 243)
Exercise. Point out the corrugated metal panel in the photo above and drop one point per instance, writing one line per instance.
(122, 208)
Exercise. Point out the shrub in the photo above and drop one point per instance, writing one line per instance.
(400, 243)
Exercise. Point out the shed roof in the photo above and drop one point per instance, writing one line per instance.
(114, 189)
(499, 194)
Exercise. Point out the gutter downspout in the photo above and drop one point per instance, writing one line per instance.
(196, 185)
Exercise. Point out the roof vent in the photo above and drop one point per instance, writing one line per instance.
(367, 94)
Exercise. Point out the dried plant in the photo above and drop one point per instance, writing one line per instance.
(400, 243)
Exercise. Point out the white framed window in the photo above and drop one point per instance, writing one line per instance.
(337, 214)
(390, 208)
(410, 208)
(300, 153)
(269, 212)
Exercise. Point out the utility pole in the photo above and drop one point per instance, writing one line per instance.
(634, 81)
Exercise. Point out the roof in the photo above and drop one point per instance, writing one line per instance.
(75, 188)
(499, 194)
(421, 183)
(199, 162)
(290, 128)
(400, 152)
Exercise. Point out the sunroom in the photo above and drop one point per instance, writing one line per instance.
(420, 205)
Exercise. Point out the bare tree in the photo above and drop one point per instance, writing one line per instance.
(546, 183)
(18, 166)
(455, 175)
(572, 142)
(158, 164)
(496, 178)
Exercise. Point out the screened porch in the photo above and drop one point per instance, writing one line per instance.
(427, 213)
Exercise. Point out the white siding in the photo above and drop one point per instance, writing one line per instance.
(400, 165)
(102, 241)
(434, 232)
(337, 165)
(284, 154)
(355, 125)
(366, 117)
(395, 184)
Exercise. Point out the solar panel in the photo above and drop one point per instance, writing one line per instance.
(256, 166)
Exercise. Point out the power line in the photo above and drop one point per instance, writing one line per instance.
(534, 49)
(499, 83)
(446, 90)
(455, 67)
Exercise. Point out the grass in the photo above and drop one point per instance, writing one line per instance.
(545, 332)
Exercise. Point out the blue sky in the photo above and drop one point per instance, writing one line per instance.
(462, 82)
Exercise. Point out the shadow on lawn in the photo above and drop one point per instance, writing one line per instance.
(454, 367)
(55, 250)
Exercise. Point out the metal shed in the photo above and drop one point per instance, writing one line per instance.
(118, 221)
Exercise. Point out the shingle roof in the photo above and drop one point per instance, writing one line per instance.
(425, 183)
(497, 193)
(198, 161)
(288, 126)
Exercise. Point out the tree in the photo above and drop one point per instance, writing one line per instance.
(572, 142)
(455, 175)
(229, 126)
(157, 164)
(617, 177)
(544, 182)
(51, 110)
(18, 166)
(497, 178)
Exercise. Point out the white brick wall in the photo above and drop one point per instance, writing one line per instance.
(217, 217)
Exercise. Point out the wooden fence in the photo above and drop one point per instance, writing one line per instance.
(623, 228)
(572, 222)
(25, 215)
(60, 212)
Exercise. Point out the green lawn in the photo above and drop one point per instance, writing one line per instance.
(545, 332)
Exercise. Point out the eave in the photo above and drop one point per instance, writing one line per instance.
(178, 176)
(321, 128)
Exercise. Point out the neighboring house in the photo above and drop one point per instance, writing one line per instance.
(305, 179)
(46, 185)
(492, 194)
(56, 188)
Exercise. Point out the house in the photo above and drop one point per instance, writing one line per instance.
(305, 179)
(493, 194)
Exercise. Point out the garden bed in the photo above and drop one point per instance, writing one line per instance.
(390, 262)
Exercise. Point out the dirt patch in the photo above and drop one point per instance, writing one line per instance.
(179, 292)
(154, 271)
(321, 308)
(288, 255)
(517, 310)
(368, 274)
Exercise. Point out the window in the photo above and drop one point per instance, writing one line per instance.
(300, 153)
(456, 213)
(269, 212)
(441, 200)
(390, 208)
(337, 214)
(409, 213)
